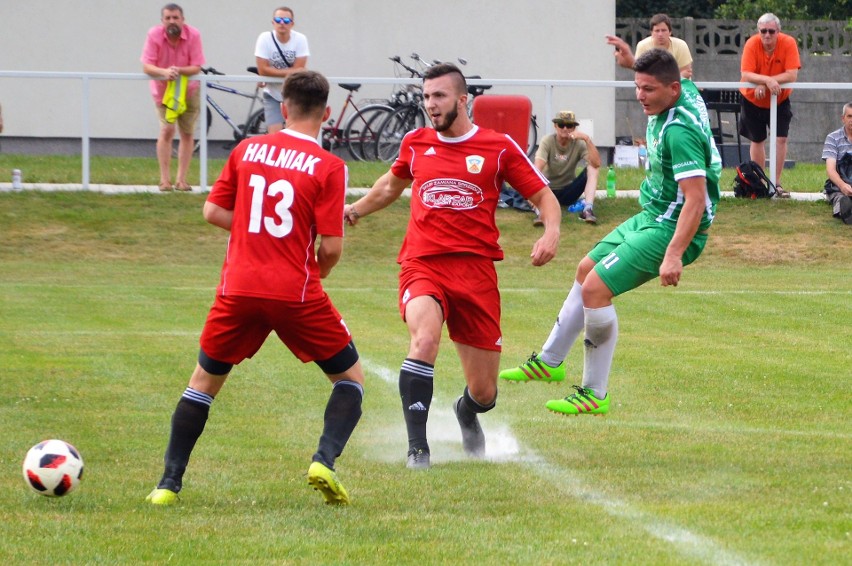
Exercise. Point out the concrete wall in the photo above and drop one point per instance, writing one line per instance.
(531, 40)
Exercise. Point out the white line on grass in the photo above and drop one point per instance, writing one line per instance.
(503, 446)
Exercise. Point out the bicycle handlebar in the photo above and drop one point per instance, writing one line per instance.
(414, 72)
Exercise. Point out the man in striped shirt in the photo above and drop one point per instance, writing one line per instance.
(838, 190)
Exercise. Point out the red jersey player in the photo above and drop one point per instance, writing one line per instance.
(275, 195)
(447, 272)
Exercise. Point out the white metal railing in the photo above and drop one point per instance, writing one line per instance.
(547, 85)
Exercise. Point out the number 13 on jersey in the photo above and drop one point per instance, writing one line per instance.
(281, 223)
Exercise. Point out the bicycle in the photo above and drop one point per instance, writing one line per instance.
(255, 123)
(359, 132)
(408, 114)
(411, 115)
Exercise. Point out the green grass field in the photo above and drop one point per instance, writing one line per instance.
(728, 442)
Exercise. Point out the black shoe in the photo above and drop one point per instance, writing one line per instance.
(473, 439)
(418, 459)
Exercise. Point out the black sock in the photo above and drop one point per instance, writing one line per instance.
(188, 422)
(470, 407)
(415, 389)
(342, 413)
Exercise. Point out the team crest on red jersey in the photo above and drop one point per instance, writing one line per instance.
(450, 193)
(474, 163)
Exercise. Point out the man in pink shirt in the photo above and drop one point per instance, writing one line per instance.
(173, 49)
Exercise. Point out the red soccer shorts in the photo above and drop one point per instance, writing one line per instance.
(237, 327)
(466, 288)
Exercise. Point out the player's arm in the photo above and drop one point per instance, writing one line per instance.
(218, 216)
(384, 191)
(328, 253)
(694, 191)
(623, 53)
(544, 248)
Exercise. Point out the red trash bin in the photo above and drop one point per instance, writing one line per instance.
(508, 114)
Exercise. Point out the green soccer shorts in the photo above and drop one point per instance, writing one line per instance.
(631, 255)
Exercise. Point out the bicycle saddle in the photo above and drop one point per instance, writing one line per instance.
(351, 87)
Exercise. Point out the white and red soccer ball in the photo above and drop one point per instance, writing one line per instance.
(53, 468)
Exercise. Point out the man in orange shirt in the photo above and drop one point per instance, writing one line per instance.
(769, 59)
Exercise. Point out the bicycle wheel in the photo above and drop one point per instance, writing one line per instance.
(396, 125)
(532, 138)
(256, 125)
(361, 131)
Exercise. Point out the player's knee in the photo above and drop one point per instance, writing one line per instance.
(480, 399)
(211, 366)
(340, 362)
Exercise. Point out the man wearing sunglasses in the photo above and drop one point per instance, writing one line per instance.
(557, 158)
(279, 53)
(769, 59)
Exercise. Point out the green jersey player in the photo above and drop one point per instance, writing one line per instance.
(678, 198)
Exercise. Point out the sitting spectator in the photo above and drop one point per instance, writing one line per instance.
(557, 158)
(837, 153)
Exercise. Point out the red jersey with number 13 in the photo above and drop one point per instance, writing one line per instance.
(284, 189)
(456, 187)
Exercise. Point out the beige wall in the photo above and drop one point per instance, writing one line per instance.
(538, 39)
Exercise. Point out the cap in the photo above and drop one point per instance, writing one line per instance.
(568, 117)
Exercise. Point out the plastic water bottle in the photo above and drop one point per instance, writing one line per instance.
(16, 179)
(610, 182)
(643, 156)
(577, 206)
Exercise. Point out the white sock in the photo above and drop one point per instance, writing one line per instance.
(569, 324)
(601, 336)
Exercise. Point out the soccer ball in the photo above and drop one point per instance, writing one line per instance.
(53, 468)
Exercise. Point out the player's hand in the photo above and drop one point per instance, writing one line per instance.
(544, 249)
(670, 271)
(350, 214)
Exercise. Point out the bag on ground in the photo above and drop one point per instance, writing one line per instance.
(751, 182)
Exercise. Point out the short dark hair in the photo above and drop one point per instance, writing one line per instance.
(661, 19)
(442, 69)
(660, 64)
(171, 7)
(284, 9)
(305, 93)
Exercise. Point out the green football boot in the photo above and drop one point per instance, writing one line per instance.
(535, 370)
(324, 480)
(162, 497)
(583, 402)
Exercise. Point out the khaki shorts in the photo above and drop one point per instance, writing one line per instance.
(186, 121)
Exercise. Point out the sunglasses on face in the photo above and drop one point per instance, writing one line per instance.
(287, 21)
(562, 125)
(769, 31)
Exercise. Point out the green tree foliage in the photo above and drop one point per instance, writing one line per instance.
(786, 9)
(737, 9)
(674, 8)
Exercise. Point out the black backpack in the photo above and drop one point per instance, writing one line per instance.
(751, 182)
